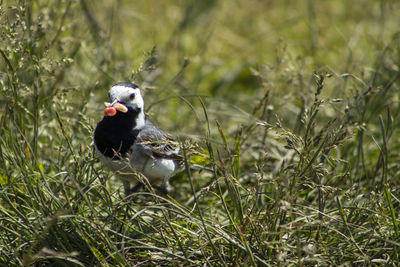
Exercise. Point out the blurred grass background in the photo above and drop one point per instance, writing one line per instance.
(293, 105)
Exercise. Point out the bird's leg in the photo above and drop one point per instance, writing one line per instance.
(137, 187)
(129, 190)
(165, 188)
(126, 188)
(167, 185)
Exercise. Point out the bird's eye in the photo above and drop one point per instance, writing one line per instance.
(132, 96)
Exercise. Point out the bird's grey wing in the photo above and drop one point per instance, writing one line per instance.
(156, 143)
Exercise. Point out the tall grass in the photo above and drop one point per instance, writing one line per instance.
(290, 107)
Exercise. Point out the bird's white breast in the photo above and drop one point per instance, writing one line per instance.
(155, 169)
(122, 168)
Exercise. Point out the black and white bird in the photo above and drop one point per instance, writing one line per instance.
(127, 143)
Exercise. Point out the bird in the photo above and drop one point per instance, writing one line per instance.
(129, 144)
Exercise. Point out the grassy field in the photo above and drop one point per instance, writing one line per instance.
(290, 106)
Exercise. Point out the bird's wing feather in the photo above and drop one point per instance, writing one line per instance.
(156, 143)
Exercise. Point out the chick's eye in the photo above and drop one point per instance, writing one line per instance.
(132, 96)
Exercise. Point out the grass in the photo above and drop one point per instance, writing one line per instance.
(292, 107)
